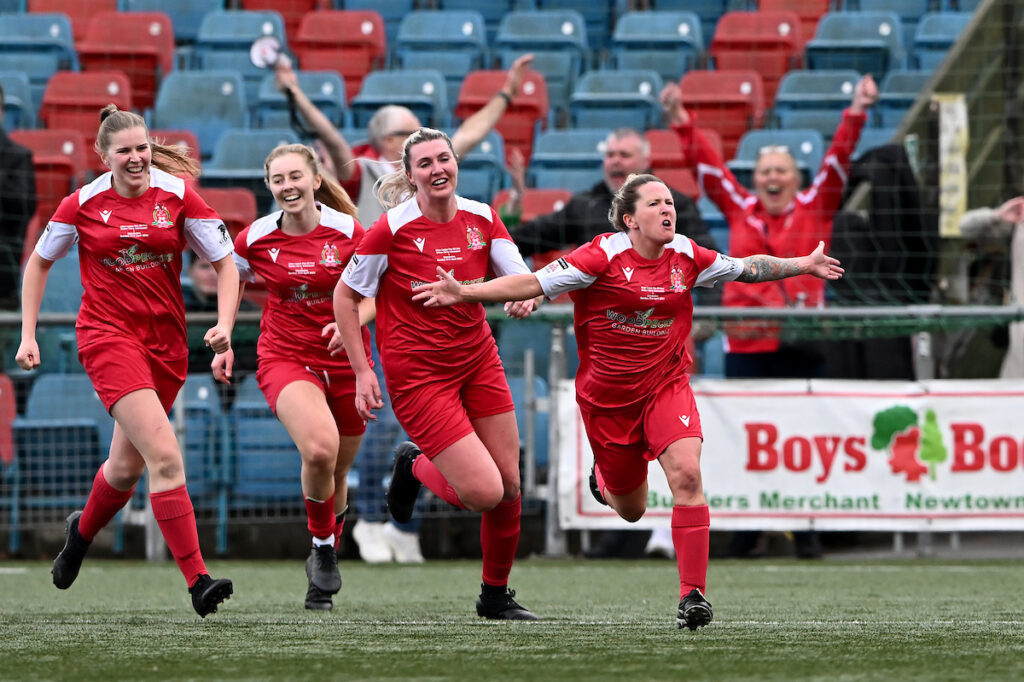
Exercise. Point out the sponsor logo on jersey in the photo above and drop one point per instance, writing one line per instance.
(161, 216)
(419, 242)
(628, 272)
(475, 238)
(416, 283)
(556, 265)
(639, 322)
(105, 215)
(329, 256)
(273, 254)
(131, 259)
(675, 280)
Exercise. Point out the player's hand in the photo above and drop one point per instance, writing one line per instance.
(334, 344)
(28, 354)
(446, 291)
(368, 395)
(522, 309)
(822, 266)
(222, 364)
(218, 338)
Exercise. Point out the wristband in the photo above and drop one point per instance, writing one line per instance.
(504, 95)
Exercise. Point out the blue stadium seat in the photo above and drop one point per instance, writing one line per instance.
(558, 40)
(711, 353)
(392, 11)
(567, 159)
(867, 42)
(814, 99)
(897, 93)
(616, 98)
(38, 45)
(514, 337)
(909, 12)
(871, 138)
(60, 396)
(517, 386)
(597, 18)
(205, 102)
(225, 37)
(238, 160)
(709, 11)
(12, 6)
(37, 67)
(936, 33)
(266, 465)
(449, 41)
(186, 15)
(482, 169)
(668, 42)
(205, 438)
(19, 106)
(807, 146)
(58, 345)
(715, 220)
(326, 89)
(492, 11)
(424, 91)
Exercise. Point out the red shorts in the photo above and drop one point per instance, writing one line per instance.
(119, 365)
(625, 441)
(435, 407)
(339, 389)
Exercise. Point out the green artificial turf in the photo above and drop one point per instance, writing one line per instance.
(774, 620)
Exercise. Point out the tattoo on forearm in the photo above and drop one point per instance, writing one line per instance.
(767, 268)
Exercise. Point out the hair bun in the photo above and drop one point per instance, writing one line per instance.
(107, 111)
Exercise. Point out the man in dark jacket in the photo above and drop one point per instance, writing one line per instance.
(17, 204)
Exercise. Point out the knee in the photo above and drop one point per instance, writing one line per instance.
(686, 480)
(482, 499)
(320, 455)
(167, 465)
(632, 513)
(123, 474)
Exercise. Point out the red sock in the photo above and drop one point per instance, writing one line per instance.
(103, 504)
(499, 538)
(320, 517)
(173, 511)
(339, 526)
(430, 476)
(691, 537)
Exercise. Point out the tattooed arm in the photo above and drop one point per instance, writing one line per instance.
(762, 268)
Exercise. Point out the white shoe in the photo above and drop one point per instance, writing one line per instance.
(660, 544)
(405, 545)
(374, 547)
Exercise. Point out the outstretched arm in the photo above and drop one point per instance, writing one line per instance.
(448, 291)
(763, 268)
(475, 128)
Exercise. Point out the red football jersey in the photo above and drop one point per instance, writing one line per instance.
(301, 272)
(403, 249)
(130, 256)
(632, 315)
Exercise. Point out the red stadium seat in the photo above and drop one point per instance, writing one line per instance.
(528, 110)
(79, 11)
(60, 159)
(770, 43)
(681, 180)
(236, 206)
(291, 11)
(141, 44)
(535, 201)
(809, 11)
(73, 100)
(351, 42)
(730, 102)
(178, 137)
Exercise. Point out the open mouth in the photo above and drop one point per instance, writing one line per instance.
(440, 182)
(290, 198)
(666, 223)
(773, 190)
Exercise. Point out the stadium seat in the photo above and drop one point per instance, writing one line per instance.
(353, 43)
(814, 99)
(616, 98)
(182, 138)
(19, 107)
(326, 89)
(186, 15)
(449, 41)
(767, 42)
(79, 11)
(291, 11)
(535, 201)
(238, 159)
(668, 42)
(266, 465)
(558, 41)
(666, 152)
(36, 67)
(205, 102)
(236, 206)
(909, 12)
(567, 159)
(421, 90)
(598, 18)
(482, 169)
(392, 12)
(60, 159)
(141, 44)
(517, 386)
(204, 438)
(935, 34)
(715, 220)
(897, 93)
(225, 37)
(871, 138)
(712, 357)
(58, 344)
(681, 180)
(492, 12)
(523, 118)
(38, 45)
(867, 42)
(73, 100)
(806, 146)
(63, 396)
(709, 11)
(731, 102)
(809, 11)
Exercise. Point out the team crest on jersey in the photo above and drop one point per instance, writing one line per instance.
(329, 256)
(475, 239)
(675, 280)
(161, 216)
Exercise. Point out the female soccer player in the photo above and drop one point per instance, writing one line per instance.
(633, 311)
(443, 374)
(300, 251)
(132, 224)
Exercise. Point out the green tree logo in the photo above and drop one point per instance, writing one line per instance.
(914, 449)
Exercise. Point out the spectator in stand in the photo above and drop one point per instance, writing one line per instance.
(632, 291)
(1001, 228)
(199, 289)
(131, 224)
(17, 204)
(776, 218)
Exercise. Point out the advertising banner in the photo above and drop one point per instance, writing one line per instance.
(833, 455)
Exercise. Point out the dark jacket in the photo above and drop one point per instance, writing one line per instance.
(17, 204)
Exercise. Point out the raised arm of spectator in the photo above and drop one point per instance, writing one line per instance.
(336, 146)
(475, 128)
(830, 182)
(993, 223)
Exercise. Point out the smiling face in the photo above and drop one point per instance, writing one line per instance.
(292, 181)
(433, 170)
(776, 181)
(653, 220)
(128, 156)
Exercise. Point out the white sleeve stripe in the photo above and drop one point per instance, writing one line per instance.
(506, 259)
(245, 271)
(56, 240)
(559, 277)
(208, 238)
(724, 269)
(363, 273)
